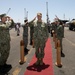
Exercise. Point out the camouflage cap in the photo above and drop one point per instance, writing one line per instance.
(2, 15)
(39, 14)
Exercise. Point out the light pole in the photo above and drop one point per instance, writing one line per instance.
(47, 12)
(27, 15)
(24, 13)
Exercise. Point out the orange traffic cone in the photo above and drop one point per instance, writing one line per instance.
(33, 43)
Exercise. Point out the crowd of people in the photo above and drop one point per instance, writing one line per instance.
(38, 36)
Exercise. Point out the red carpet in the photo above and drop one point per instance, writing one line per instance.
(47, 68)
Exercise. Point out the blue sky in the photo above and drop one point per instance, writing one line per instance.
(55, 7)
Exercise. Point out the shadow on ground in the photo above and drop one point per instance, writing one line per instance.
(37, 68)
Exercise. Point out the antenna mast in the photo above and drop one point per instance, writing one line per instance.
(47, 13)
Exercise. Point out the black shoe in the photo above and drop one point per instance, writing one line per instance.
(62, 54)
(17, 34)
(31, 43)
(26, 50)
(7, 65)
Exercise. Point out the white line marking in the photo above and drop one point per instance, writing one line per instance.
(70, 42)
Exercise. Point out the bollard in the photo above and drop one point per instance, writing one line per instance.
(58, 56)
(55, 43)
(21, 52)
(53, 37)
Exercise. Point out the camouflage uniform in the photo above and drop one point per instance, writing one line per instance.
(25, 36)
(60, 35)
(40, 37)
(4, 42)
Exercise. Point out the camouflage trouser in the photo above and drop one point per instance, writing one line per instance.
(25, 39)
(31, 36)
(18, 31)
(4, 52)
(39, 48)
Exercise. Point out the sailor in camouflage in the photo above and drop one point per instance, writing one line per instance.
(40, 37)
(4, 39)
(54, 27)
(60, 34)
(25, 35)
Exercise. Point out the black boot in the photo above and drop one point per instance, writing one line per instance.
(31, 42)
(26, 50)
(62, 54)
(5, 68)
(17, 34)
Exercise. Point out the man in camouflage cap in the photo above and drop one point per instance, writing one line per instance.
(40, 37)
(2, 15)
(4, 40)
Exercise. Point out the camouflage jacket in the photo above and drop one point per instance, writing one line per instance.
(4, 33)
(40, 31)
(25, 30)
(59, 32)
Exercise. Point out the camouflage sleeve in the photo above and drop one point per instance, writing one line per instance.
(60, 32)
(8, 24)
(31, 23)
(2, 25)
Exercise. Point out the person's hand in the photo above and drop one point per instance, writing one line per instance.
(26, 23)
(52, 31)
(35, 18)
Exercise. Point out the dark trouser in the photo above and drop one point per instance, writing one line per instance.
(31, 38)
(18, 31)
(25, 39)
